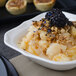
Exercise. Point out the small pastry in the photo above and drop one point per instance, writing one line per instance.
(16, 7)
(2, 3)
(29, 1)
(44, 5)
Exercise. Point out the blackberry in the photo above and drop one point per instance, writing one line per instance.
(56, 18)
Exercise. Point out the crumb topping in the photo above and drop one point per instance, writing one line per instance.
(61, 35)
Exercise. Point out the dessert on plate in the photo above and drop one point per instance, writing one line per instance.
(44, 5)
(53, 37)
(16, 7)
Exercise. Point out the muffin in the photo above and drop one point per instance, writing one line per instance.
(2, 3)
(16, 7)
(44, 5)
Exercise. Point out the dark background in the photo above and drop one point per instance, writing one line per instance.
(8, 21)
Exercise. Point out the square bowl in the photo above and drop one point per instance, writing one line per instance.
(13, 36)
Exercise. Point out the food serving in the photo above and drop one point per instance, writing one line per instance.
(44, 5)
(16, 7)
(53, 37)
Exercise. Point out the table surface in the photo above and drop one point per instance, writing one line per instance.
(26, 67)
(4, 50)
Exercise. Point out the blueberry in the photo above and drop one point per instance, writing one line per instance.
(49, 30)
(49, 14)
(44, 22)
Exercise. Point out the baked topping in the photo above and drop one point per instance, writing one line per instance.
(53, 33)
(54, 18)
(54, 24)
(43, 1)
(16, 3)
(52, 21)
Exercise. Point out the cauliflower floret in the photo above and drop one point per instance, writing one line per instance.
(43, 35)
(55, 49)
(43, 44)
(24, 43)
(30, 50)
(33, 47)
(32, 28)
(61, 58)
(72, 53)
(29, 36)
(73, 31)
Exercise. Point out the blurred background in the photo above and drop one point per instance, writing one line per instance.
(32, 10)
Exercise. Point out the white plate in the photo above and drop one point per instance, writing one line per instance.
(12, 37)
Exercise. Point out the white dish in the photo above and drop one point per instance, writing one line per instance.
(12, 37)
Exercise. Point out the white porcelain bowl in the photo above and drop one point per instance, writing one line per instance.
(13, 36)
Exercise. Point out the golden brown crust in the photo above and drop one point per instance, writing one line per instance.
(16, 7)
(56, 34)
